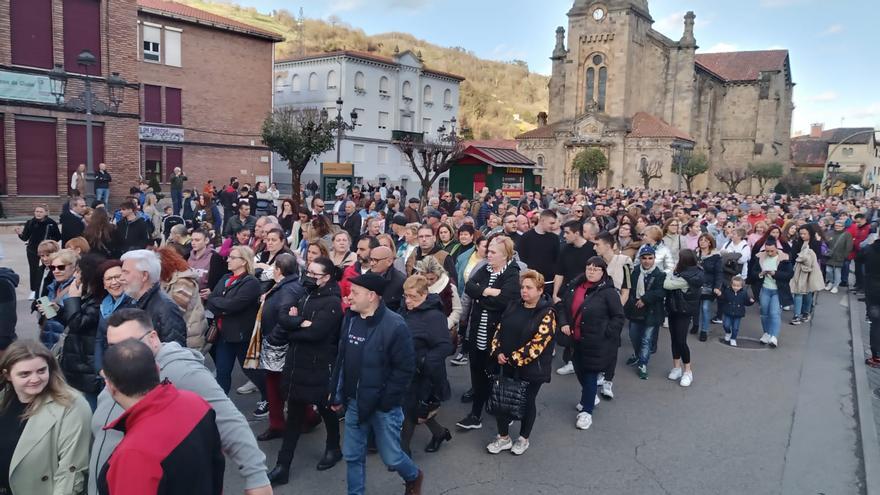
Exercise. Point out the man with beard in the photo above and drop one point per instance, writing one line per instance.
(141, 270)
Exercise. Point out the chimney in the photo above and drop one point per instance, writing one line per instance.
(816, 130)
(542, 119)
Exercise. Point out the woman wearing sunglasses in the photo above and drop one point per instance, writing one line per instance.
(63, 267)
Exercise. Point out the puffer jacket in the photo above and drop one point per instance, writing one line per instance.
(713, 272)
(83, 315)
(653, 312)
(663, 258)
(602, 320)
(312, 352)
(165, 313)
(280, 298)
(507, 281)
(183, 287)
(807, 272)
(528, 345)
(840, 244)
(432, 344)
(683, 292)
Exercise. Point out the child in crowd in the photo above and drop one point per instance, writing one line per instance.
(733, 302)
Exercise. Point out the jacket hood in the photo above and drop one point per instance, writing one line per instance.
(692, 274)
(174, 353)
(11, 276)
(431, 302)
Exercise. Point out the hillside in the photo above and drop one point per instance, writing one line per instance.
(498, 99)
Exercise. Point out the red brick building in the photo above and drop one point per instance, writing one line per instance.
(206, 88)
(42, 141)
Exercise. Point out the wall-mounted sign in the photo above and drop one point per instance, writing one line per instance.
(512, 186)
(330, 168)
(25, 87)
(158, 133)
(514, 170)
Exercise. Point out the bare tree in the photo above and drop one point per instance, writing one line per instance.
(429, 158)
(650, 171)
(732, 177)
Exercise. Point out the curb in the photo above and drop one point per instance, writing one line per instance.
(864, 407)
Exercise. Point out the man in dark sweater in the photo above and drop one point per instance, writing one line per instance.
(373, 370)
(539, 248)
(573, 256)
(72, 222)
(132, 232)
(102, 184)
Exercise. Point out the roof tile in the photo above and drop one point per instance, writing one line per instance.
(202, 17)
(809, 151)
(647, 125)
(742, 66)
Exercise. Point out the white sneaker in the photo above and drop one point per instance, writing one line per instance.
(584, 421)
(600, 380)
(687, 378)
(834, 290)
(732, 342)
(666, 323)
(597, 401)
(774, 342)
(499, 445)
(32, 296)
(675, 374)
(520, 446)
(247, 388)
(765, 338)
(606, 390)
(568, 369)
(727, 337)
(829, 286)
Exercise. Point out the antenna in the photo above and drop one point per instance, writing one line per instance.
(301, 33)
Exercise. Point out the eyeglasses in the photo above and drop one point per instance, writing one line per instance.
(313, 274)
(236, 258)
(115, 278)
(57, 268)
(593, 269)
(377, 260)
(140, 339)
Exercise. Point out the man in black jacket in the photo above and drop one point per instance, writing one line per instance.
(140, 277)
(102, 184)
(352, 223)
(8, 283)
(382, 264)
(375, 365)
(132, 232)
(72, 222)
(644, 309)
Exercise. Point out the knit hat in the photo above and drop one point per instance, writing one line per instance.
(647, 250)
(370, 281)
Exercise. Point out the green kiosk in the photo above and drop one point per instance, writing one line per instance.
(496, 165)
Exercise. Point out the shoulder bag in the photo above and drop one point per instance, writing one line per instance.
(507, 396)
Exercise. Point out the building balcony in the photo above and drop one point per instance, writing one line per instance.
(415, 137)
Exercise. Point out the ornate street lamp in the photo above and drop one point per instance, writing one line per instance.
(340, 125)
(58, 83)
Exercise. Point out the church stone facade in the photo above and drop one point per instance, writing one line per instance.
(645, 100)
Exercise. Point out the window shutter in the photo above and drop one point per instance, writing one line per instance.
(76, 145)
(152, 40)
(152, 103)
(173, 158)
(36, 152)
(3, 185)
(172, 47)
(173, 113)
(31, 26)
(82, 31)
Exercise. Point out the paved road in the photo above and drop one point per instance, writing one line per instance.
(755, 421)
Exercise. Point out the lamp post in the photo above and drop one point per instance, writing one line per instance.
(340, 125)
(87, 102)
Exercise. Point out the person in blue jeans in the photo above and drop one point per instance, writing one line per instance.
(374, 367)
(769, 260)
(102, 184)
(733, 304)
(713, 279)
(644, 308)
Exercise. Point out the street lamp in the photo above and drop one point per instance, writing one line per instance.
(831, 169)
(340, 125)
(87, 102)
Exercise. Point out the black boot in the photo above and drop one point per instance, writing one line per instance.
(436, 442)
(331, 457)
(279, 475)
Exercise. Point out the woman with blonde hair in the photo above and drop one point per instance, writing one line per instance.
(439, 283)
(154, 215)
(44, 425)
(653, 236)
(63, 267)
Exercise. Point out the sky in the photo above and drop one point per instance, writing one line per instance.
(833, 45)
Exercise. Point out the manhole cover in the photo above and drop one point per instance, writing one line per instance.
(746, 343)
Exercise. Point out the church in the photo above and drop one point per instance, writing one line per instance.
(649, 103)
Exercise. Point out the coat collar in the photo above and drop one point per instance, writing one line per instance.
(38, 426)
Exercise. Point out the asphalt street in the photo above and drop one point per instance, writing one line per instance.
(756, 420)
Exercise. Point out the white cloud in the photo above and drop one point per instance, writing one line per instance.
(671, 24)
(833, 29)
(721, 47)
(826, 96)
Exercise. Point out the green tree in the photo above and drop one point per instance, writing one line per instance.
(696, 165)
(297, 136)
(765, 172)
(590, 163)
(732, 177)
(795, 184)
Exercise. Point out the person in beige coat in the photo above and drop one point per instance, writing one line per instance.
(807, 278)
(182, 283)
(47, 452)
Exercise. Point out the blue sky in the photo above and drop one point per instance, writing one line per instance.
(833, 45)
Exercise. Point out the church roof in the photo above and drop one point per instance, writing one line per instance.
(742, 66)
(648, 126)
(190, 14)
(841, 133)
(809, 151)
(543, 132)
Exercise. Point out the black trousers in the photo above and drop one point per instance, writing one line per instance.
(608, 374)
(479, 361)
(678, 331)
(528, 421)
(35, 269)
(410, 421)
(296, 413)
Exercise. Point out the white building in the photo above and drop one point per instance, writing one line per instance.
(388, 94)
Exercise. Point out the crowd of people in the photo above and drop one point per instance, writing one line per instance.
(352, 311)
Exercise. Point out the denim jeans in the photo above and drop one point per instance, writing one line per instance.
(51, 334)
(385, 426)
(587, 379)
(770, 311)
(225, 354)
(705, 315)
(803, 304)
(731, 325)
(832, 275)
(641, 336)
(177, 200)
(844, 274)
(102, 194)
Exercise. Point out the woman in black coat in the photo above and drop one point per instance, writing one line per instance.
(592, 315)
(523, 346)
(234, 303)
(683, 290)
(36, 230)
(492, 288)
(311, 328)
(426, 320)
(713, 278)
(82, 312)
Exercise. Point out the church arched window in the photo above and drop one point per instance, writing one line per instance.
(603, 79)
(596, 82)
(591, 75)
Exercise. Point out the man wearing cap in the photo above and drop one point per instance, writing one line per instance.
(374, 367)
(339, 214)
(433, 219)
(428, 247)
(644, 309)
(411, 212)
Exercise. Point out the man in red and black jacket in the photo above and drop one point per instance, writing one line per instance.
(859, 230)
(171, 440)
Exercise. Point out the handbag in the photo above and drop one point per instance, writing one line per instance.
(507, 396)
(212, 333)
(252, 356)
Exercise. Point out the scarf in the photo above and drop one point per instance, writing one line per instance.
(640, 284)
(580, 294)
